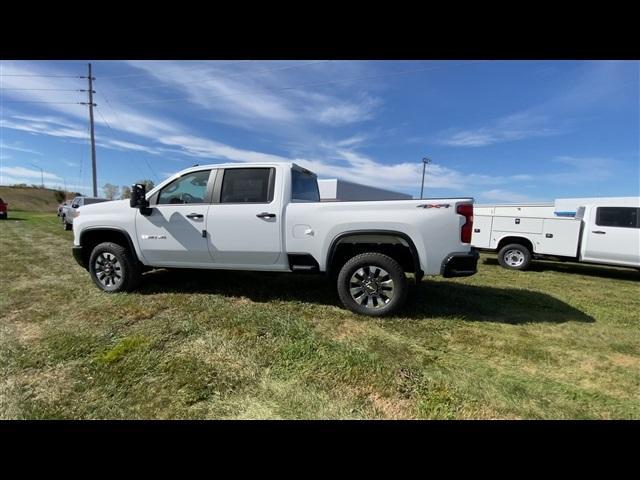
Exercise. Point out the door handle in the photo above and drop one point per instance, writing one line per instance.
(195, 215)
(266, 215)
(598, 231)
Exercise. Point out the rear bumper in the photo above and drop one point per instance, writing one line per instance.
(460, 264)
(77, 254)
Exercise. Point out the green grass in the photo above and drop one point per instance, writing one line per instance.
(559, 341)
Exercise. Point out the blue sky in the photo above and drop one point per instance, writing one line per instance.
(501, 131)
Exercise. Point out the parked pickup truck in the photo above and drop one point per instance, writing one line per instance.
(68, 213)
(3, 209)
(605, 232)
(269, 217)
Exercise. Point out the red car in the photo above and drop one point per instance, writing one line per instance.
(3, 209)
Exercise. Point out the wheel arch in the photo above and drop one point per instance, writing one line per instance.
(92, 236)
(524, 241)
(369, 236)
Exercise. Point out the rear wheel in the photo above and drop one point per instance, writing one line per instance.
(113, 268)
(372, 284)
(514, 256)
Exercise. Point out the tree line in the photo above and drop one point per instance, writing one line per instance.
(113, 192)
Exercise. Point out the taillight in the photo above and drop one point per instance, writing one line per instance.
(466, 209)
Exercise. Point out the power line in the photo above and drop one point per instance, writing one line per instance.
(302, 86)
(113, 131)
(47, 76)
(176, 70)
(47, 89)
(33, 101)
(119, 123)
(288, 67)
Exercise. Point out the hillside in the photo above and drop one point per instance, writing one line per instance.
(30, 199)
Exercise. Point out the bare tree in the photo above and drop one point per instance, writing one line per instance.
(147, 183)
(126, 192)
(110, 191)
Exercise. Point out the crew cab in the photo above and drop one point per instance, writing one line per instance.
(601, 231)
(269, 217)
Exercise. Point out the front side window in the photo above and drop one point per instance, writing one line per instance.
(190, 188)
(247, 185)
(626, 217)
(304, 187)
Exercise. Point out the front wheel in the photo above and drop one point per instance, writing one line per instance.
(514, 257)
(372, 284)
(67, 226)
(113, 268)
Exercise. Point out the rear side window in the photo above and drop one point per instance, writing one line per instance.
(247, 185)
(189, 188)
(625, 217)
(304, 187)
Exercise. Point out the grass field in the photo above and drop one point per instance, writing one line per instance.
(559, 341)
(31, 199)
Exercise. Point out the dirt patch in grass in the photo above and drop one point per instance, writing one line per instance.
(623, 360)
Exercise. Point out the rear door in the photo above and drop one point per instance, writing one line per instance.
(174, 234)
(245, 219)
(612, 235)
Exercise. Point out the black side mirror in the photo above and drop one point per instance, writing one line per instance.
(138, 200)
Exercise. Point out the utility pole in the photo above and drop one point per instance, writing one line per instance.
(41, 174)
(425, 162)
(93, 139)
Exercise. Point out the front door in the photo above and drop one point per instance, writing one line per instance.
(245, 221)
(613, 236)
(174, 234)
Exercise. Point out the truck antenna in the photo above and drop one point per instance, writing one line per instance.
(425, 162)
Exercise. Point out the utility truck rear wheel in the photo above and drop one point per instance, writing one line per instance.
(514, 257)
(372, 284)
(113, 268)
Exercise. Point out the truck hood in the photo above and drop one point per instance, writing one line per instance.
(105, 207)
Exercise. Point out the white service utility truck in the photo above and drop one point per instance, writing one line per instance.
(603, 231)
(269, 217)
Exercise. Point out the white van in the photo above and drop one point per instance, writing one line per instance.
(604, 231)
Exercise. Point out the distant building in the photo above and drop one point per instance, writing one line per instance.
(336, 190)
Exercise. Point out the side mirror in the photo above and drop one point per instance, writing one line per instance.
(138, 200)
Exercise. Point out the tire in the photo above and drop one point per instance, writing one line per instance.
(514, 257)
(113, 268)
(67, 226)
(378, 283)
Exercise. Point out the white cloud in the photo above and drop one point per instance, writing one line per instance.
(28, 173)
(518, 126)
(506, 196)
(4, 146)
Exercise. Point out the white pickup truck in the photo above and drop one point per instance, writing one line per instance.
(269, 217)
(603, 231)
